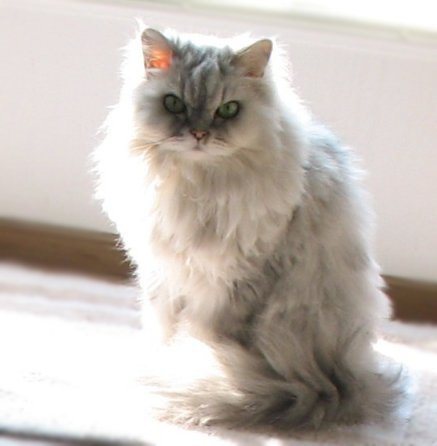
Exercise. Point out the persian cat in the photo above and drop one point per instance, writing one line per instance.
(250, 234)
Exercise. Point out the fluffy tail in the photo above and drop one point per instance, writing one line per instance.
(242, 389)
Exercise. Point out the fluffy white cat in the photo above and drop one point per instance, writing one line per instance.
(249, 232)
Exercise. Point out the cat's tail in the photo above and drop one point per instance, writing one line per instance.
(245, 390)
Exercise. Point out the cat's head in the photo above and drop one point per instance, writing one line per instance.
(202, 102)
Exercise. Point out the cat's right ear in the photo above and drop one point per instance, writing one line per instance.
(157, 50)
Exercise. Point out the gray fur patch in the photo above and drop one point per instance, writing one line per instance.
(254, 242)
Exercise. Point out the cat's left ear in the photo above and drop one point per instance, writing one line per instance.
(253, 59)
(157, 50)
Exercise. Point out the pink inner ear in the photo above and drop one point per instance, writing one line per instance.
(160, 59)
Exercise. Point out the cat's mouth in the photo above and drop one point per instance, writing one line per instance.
(198, 147)
(197, 150)
(207, 147)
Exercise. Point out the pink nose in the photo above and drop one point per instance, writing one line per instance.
(198, 134)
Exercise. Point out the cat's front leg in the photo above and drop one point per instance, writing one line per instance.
(160, 317)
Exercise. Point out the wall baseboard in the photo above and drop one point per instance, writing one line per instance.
(100, 254)
(90, 252)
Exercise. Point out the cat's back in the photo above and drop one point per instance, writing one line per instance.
(331, 168)
(333, 205)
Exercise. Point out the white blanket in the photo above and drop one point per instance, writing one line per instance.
(70, 355)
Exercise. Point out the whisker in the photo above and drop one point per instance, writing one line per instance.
(148, 144)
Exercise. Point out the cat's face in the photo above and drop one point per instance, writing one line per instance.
(201, 102)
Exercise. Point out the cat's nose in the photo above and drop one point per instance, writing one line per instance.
(198, 134)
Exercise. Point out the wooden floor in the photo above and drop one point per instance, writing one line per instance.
(35, 439)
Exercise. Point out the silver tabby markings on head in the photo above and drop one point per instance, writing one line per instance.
(210, 101)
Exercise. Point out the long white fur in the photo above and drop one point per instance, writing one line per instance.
(294, 347)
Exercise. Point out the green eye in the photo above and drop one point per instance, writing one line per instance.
(228, 110)
(173, 104)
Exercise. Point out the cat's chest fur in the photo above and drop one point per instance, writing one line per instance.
(216, 226)
(210, 234)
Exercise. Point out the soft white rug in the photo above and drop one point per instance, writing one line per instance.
(70, 352)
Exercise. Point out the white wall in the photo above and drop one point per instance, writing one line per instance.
(59, 73)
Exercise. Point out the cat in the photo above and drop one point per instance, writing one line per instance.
(250, 233)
